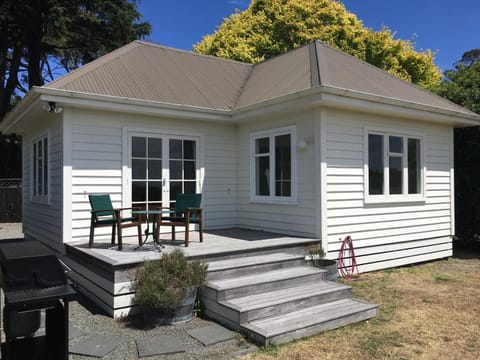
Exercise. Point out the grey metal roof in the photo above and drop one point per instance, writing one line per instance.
(146, 71)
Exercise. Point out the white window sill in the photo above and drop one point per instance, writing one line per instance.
(274, 201)
(394, 199)
(41, 200)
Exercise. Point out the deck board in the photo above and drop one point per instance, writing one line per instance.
(215, 243)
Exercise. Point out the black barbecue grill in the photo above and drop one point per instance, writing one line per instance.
(33, 280)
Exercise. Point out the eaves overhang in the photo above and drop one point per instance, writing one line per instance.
(317, 96)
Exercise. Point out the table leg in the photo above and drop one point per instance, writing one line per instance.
(147, 232)
(156, 236)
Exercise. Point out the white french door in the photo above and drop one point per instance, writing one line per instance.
(161, 167)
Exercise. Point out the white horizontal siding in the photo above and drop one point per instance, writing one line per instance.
(97, 160)
(386, 235)
(295, 219)
(44, 221)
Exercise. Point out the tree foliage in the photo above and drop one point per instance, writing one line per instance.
(462, 86)
(271, 27)
(40, 39)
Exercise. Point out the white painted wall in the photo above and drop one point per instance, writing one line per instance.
(43, 221)
(386, 235)
(97, 160)
(298, 218)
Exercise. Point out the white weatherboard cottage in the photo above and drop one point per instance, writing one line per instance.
(312, 143)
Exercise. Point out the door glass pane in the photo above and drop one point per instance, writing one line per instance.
(176, 169)
(395, 172)
(154, 148)
(189, 149)
(154, 191)
(262, 173)
(375, 164)
(139, 145)
(189, 187)
(175, 188)
(189, 170)
(154, 169)
(175, 149)
(414, 172)
(139, 169)
(139, 191)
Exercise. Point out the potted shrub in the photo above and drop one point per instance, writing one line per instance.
(166, 288)
(315, 258)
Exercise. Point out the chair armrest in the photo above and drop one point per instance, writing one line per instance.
(97, 211)
(170, 212)
(189, 211)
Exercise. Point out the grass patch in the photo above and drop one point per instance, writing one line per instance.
(443, 278)
(426, 312)
(380, 343)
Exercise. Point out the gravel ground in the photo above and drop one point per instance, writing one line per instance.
(90, 320)
(85, 317)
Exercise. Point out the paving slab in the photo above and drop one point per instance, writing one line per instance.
(212, 334)
(75, 332)
(95, 345)
(160, 345)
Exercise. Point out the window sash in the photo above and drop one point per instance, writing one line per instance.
(40, 186)
(394, 166)
(273, 165)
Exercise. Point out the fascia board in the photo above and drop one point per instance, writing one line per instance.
(358, 101)
(136, 106)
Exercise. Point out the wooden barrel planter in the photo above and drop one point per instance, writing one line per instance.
(181, 314)
(329, 265)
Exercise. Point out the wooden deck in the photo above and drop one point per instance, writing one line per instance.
(107, 275)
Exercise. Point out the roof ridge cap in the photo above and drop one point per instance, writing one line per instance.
(190, 52)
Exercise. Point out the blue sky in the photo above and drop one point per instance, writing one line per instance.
(448, 27)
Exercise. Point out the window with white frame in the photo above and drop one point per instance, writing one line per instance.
(40, 179)
(394, 167)
(273, 165)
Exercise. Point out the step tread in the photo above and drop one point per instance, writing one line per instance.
(276, 297)
(246, 261)
(263, 277)
(307, 317)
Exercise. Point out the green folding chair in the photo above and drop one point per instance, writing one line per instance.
(103, 214)
(187, 211)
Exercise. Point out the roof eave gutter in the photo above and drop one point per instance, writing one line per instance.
(137, 106)
(339, 97)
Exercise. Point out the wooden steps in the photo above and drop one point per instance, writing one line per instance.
(277, 298)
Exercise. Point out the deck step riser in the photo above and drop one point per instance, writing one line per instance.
(294, 250)
(247, 270)
(267, 286)
(287, 307)
(311, 330)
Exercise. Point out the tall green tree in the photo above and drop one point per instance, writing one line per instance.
(40, 39)
(271, 27)
(462, 86)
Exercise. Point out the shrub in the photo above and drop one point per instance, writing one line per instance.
(161, 283)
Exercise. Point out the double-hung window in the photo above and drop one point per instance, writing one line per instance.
(394, 167)
(273, 166)
(40, 168)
